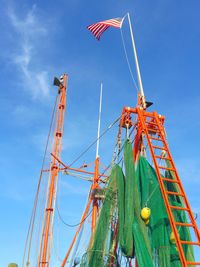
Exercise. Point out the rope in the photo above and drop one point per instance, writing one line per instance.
(127, 60)
(94, 142)
(55, 247)
(33, 214)
(71, 225)
(76, 246)
(151, 195)
(116, 155)
(77, 224)
(78, 176)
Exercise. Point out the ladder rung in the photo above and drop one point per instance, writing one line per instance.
(166, 168)
(184, 224)
(189, 242)
(151, 122)
(159, 147)
(160, 157)
(174, 193)
(170, 180)
(153, 130)
(154, 138)
(193, 263)
(149, 115)
(179, 208)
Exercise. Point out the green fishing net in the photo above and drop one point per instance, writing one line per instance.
(127, 192)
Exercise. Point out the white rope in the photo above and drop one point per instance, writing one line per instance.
(127, 60)
(90, 179)
(55, 247)
(151, 194)
(53, 216)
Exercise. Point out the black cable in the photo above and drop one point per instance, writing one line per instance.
(118, 154)
(94, 142)
(71, 225)
(59, 215)
(33, 213)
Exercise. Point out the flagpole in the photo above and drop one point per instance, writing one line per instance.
(99, 121)
(137, 65)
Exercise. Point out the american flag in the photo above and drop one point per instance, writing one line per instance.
(100, 27)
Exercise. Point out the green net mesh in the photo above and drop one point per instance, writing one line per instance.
(139, 229)
(98, 253)
(165, 252)
(125, 196)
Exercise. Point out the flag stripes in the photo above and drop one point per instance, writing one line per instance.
(97, 29)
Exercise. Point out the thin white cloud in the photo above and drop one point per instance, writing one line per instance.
(29, 32)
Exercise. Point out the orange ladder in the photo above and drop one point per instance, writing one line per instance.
(152, 127)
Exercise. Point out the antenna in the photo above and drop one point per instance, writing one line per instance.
(99, 121)
(137, 65)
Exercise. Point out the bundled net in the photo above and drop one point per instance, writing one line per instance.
(99, 251)
(164, 250)
(122, 231)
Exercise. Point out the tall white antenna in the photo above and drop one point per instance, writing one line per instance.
(99, 121)
(137, 64)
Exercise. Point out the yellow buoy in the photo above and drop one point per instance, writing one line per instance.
(145, 213)
(172, 238)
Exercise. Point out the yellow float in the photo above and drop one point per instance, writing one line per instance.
(172, 238)
(145, 213)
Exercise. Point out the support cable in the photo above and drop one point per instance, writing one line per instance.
(33, 213)
(117, 155)
(127, 60)
(94, 142)
(77, 224)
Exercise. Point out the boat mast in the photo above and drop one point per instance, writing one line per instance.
(96, 170)
(44, 254)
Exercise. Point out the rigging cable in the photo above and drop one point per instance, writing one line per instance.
(73, 225)
(127, 60)
(84, 178)
(94, 142)
(33, 213)
(117, 156)
(77, 245)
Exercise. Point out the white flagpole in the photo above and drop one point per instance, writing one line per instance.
(99, 121)
(137, 64)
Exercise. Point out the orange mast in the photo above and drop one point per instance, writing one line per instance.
(44, 254)
(95, 186)
(96, 169)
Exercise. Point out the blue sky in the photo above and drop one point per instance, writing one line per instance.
(43, 39)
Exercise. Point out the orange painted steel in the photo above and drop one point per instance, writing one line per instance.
(76, 169)
(92, 199)
(44, 254)
(78, 230)
(95, 202)
(155, 126)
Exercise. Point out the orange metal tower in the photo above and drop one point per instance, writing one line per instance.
(44, 255)
(150, 132)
